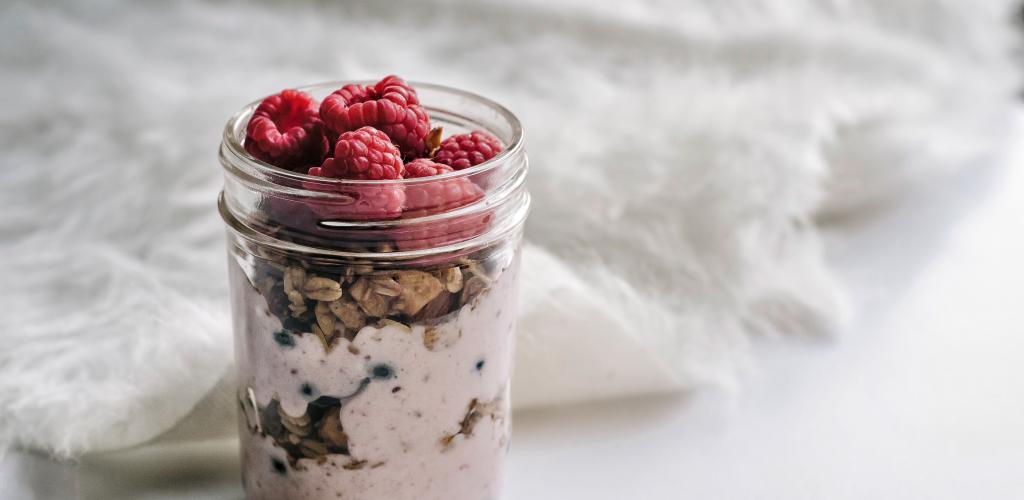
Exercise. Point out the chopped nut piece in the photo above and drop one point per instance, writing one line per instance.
(386, 287)
(358, 269)
(348, 312)
(300, 420)
(324, 318)
(359, 289)
(316, 447)
(390, 322)
(473, 287)
(294, 279)
(417, 289)
(476, 411)
(324, 289)
(354, 465)
(298, 304)
(452, 279)
(440, 337)
(373, 303)
(325, 339)
(430, 338)
(297, 429)
(433, 141)
(331, 431)
(473, 268)
(440, 306)
(348, 275)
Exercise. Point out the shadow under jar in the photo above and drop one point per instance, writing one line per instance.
(374, 356)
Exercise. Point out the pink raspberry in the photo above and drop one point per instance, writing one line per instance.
(370, 202)
(286, 131)
(466, 150)
(391, 105)
(435, 197)
(423, 167)
(359, 202)
(366, 153)
(352, 93)
(438, 196)
(397, 90)
(410, 131)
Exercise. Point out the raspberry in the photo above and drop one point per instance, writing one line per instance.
(466, 150)
(286, 131)
(410, 131)
(391, 106)
(365, 202)
(366, 154)
(425, 168)
(397, 90)
(353, 93)
(439, 196)
(368, 203)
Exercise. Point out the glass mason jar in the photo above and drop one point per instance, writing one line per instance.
(374, 351)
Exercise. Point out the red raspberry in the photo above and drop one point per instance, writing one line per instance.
(366, 154)
(370, 202)
(466, 150)
(423, 167)
(397, 90)
(410, 131)
(353, 93)
(391, 106)
(286, 131)
(366, 202)
(438, 196)
(434, 197)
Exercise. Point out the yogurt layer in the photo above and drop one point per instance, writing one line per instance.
(399, 410)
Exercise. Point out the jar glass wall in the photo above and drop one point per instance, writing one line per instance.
(374, 351)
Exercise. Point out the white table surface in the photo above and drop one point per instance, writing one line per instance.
(921, 397)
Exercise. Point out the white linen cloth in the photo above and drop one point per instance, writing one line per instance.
(682, 154)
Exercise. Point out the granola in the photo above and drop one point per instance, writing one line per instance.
(308, 302)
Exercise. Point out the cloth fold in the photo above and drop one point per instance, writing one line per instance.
(683, 155)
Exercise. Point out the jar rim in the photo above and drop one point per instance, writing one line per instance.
(498, 233)
(239, 120)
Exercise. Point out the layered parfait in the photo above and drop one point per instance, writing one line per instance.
(374, 356)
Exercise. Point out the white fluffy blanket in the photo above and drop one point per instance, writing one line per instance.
(682, 154)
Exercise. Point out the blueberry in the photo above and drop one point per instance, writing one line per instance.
(284, 339)
(382, 371)
(279, 466)
(307, 389)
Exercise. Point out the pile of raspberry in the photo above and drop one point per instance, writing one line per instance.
(370, 132)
